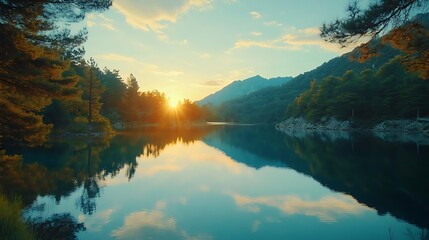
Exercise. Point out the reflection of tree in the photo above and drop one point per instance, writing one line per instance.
(391, 177)
(58, 226)
(62, 166)
(91, 190)
(419, 234)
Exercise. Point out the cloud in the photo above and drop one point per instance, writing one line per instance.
(93, 20)
(256, 33)
(117, 57)
(212, 83)
(273, 24)
(150, 15)
(255, 15)
(205, 56)
(295, 41)
(151, 68)
(327, 209)
(169, 73)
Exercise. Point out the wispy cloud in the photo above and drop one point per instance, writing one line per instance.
(273, 23)
(117, 57)
(150, 15)
(205, 56)
(255, 15)
(295, 40)
(256, 33)
(212, 83)
(231, 1)
(100, 20)
(149, 68)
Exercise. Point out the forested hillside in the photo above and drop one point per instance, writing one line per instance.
(269, 105)
(366, 97)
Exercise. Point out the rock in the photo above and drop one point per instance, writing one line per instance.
(401, 126)
(325, 123)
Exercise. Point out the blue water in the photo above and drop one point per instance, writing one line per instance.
(235, 182)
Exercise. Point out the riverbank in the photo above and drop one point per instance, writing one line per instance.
(325, 123)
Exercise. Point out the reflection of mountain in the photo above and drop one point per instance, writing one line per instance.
(244, 144)
(388, 176)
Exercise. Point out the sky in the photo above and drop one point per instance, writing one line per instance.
(192, 48)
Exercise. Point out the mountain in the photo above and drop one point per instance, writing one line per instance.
(241, 88)
(268, 105)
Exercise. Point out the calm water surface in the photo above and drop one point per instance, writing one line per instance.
(232, 182)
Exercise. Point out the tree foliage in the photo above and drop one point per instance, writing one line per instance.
(37, 49)
(402, 24)
(370, 96)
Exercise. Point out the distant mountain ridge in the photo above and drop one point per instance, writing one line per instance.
(242, 88)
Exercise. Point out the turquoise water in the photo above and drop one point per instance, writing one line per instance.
(232, 182)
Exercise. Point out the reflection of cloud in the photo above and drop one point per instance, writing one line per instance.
(255, 15)
(152, 225)
(255, 226)
(327, 209)
(144, 219)
(153, 170)
(153, 15)
(295, 41)
(96, 222)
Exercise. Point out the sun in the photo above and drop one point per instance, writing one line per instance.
(173, 103)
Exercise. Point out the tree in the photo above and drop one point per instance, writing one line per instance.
(37, 49)
(132, 99)
(113, 96)
(379, 19)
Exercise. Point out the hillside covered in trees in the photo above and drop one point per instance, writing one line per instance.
(381, 80)
(268, 105)
(369, 96)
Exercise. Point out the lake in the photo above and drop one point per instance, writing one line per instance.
(229, 182)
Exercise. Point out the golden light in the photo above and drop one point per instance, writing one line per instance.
(173, 103)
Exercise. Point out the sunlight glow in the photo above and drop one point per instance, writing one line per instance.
(173, 103)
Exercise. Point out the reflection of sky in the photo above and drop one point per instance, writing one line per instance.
(197, 192)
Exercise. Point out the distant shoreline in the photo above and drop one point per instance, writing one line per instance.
(325, 123)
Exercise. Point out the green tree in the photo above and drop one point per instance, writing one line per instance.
(132, 99)
(37, 49)
(114, 94)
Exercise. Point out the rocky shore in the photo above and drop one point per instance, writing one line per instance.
(326, 123)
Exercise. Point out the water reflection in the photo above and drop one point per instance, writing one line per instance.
(227, 182)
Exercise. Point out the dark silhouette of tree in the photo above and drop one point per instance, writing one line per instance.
(398, 23)
(380, 16)
(58, 226)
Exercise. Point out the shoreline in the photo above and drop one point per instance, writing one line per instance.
(325, 123)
